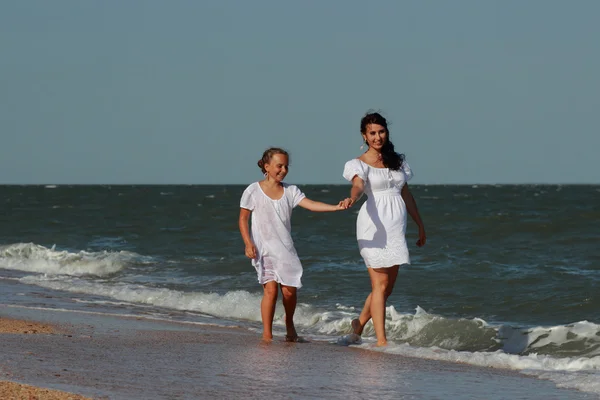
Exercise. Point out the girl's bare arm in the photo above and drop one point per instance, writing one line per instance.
(318, 206)
(250, 250)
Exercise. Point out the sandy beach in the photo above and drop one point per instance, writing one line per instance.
(110, 357)
(11, 325)
(17, 391)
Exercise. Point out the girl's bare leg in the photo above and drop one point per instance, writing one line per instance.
(365, 315)
(290, 299)
(267, 309)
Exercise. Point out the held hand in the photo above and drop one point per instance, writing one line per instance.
(422, 238)
(347, 202)
(251, 251)
(341, 206)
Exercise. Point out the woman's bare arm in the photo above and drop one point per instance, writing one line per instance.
(413, 211)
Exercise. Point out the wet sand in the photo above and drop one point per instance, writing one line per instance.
(17, 391)
(109, 357)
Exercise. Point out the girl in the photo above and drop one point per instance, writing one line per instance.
(270, 245)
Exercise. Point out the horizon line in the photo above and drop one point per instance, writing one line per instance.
(300, 184)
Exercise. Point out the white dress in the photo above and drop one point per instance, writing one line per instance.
(381, 222)
(271, 227)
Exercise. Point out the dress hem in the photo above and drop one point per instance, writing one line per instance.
(387, 266)
(281, 283)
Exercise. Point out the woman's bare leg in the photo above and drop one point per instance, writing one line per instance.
(365, 315)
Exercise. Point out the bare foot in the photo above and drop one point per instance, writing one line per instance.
(267, 339)
(290, 332)
(382, 344)
(356, 327)
(295, 339)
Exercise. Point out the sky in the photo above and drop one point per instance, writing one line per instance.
(192, 92)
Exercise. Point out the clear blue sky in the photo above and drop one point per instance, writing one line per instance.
(193, 91)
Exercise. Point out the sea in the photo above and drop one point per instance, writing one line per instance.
(509, 278)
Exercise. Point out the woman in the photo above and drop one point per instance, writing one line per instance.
(382, 174)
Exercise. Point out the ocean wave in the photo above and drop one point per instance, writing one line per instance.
(579, 339)
(239, 305)
(581, 373)
(30, 257)
(421, 329)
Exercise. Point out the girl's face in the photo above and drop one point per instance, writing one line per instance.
(375, 136)
(277, 167)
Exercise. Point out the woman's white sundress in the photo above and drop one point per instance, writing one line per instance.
(271, 227)
(381, 222)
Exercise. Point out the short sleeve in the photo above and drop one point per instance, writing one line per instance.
(407, 171)
(296, 195)
(354, 168)
(247, 200)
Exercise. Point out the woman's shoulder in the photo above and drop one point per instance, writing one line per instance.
(354, 168)
(406, 168)
(354, 162)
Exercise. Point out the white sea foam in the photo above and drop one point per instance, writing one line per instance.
(345, 308)
(582, 373)
(107, 314)
(571, 339)
(237, 304)
(519, 348)
(429, 330)
(30, 257)
(108, 302)
(240, 305)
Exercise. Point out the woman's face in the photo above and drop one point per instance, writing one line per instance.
(375, 136)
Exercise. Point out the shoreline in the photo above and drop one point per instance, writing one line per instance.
(116, 357)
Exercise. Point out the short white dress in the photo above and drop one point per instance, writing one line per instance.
(381, 222)
(271, 227)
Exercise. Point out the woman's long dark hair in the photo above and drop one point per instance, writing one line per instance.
(390, 158)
